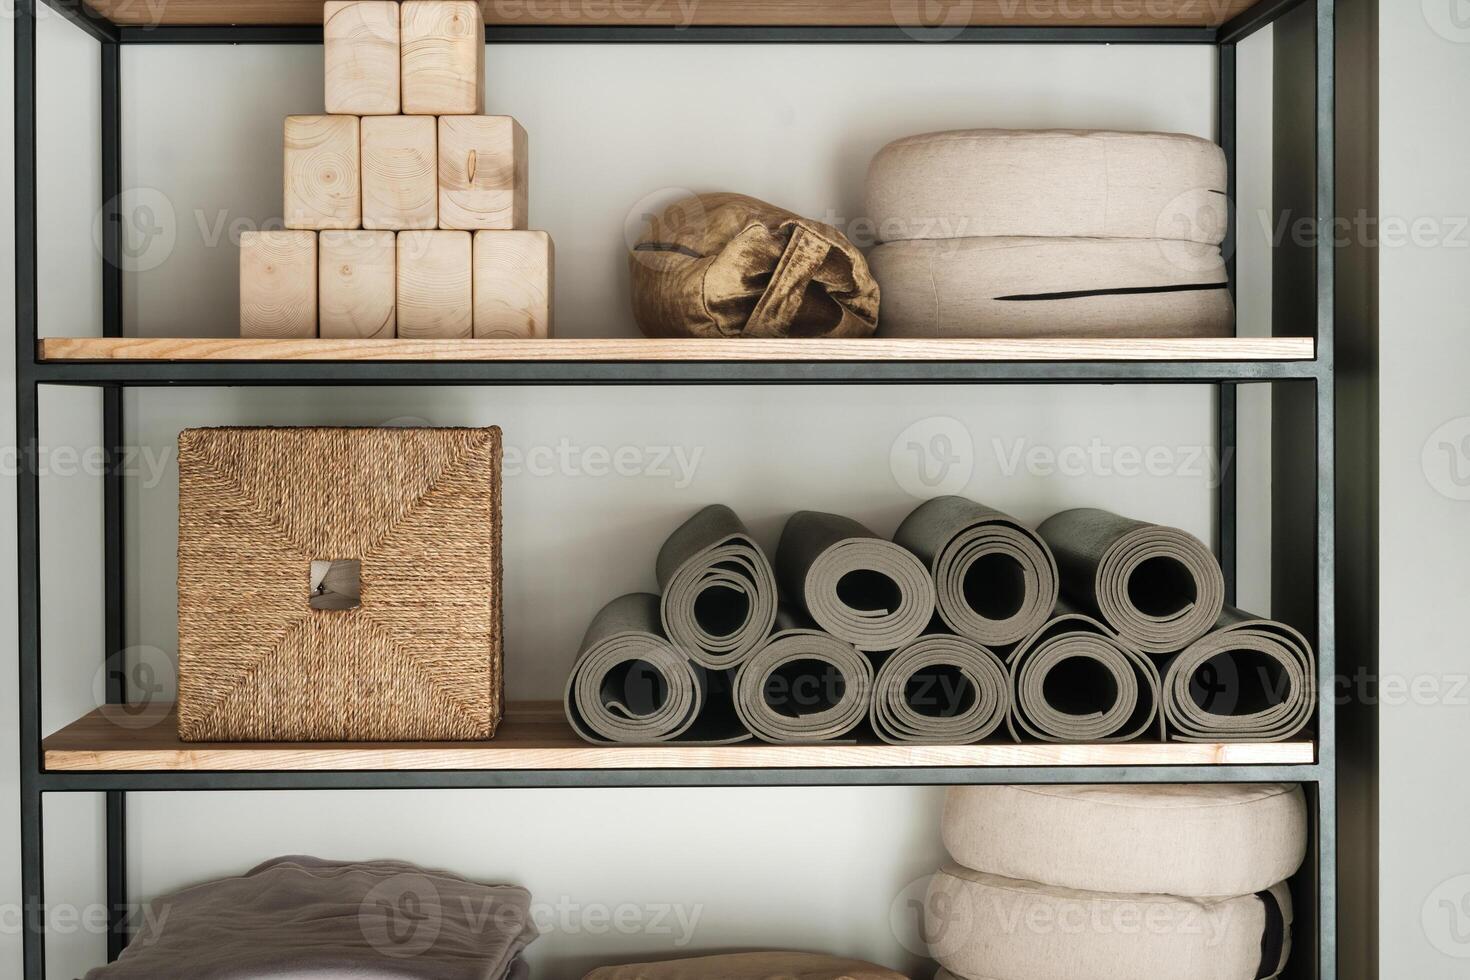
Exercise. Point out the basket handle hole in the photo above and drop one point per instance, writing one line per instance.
(336, 584)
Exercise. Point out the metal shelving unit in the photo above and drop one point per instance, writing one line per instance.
(1303, 397)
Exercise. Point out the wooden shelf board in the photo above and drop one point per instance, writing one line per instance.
(535, 736)
(756, 13)
(133, 349)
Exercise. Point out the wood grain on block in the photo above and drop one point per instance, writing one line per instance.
(358, 284)
(278, 284)
(443, 57)
(434, 293)
(513, 283)
(400, 187)
(361, 42)
(322, 175)
(482, 172)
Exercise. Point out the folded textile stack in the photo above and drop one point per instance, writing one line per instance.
(300, 916)
(1169, 882)
(749, 966)
(1050, 233)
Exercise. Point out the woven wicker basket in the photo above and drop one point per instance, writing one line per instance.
(398, 639)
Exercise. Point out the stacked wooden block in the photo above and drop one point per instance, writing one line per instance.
(405, 206)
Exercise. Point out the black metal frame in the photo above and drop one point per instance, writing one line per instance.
(1306, 387)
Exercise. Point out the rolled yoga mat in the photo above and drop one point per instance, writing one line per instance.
(1076, 680)
(1249, 680)
(940, 689)
(630, 685)
(1159, 587)
(803, 685)
(855, 585)
(719, 592)
(995, 579)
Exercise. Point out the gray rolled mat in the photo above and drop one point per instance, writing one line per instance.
(1159, 587)
(1249, 680)
(630, 685)
(803, 685)
(995, 579)
(940, 689)
(719, 592)
(855, 585)
(1075, 680)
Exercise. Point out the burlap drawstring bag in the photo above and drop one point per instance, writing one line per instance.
(727, 265)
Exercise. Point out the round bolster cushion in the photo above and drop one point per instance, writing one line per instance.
(1052, 183)
(1192, 840)
(984, 927)
(1052, 287)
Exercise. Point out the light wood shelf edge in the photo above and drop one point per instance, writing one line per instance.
(534, 736)
(707, 13)
(112, 349)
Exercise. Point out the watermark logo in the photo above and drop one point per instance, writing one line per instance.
(147, 228)
(144, 673)
(1450, 19)
(929, 921)
(653, 219)
(400, 917)
(932, 457)
(1446, 917)
(932, 21)
(1446, 459)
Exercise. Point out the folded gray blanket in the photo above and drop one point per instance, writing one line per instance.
(857, 586)
(631, 685)
(996, 581)
(299, 917)
(719, 593)
(1249, 680)
(1160, 587)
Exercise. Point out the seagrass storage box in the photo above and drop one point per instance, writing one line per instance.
(339, 584)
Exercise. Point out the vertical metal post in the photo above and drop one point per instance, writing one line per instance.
(27, 434)
(1326, 484)
(1227, 435)
(114, 625)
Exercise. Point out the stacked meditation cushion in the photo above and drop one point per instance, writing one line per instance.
(1050, 233)
(1169, 882)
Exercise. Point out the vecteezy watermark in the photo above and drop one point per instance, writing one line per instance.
(146, 464)
(1450, 19)
(932, 457)
(932, 21)
(64, 919)
(1445, 917)
(1097, 458)
(401, 916)
(1446, 459)
(1366, 230)
(678, 464)
(677, 13)
(142, 222)
(931, 921)
(138, 674)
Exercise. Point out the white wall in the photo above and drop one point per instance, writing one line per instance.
(1424, 513)
(818, 868)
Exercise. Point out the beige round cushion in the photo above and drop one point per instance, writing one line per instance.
(1192, 840)
(984, 927)
(1057, 183)
(1051, 287)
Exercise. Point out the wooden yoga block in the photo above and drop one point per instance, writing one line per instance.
(400, 186)
(513, 283)
(434, 296)
(361, 42)
(443, 57)
(482, 172)
(322, 175)
(358, 284)
(278, 284)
